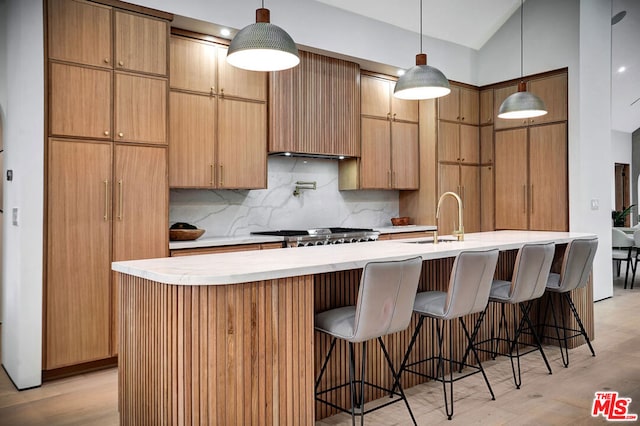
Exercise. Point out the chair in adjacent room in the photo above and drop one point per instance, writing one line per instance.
(635, 256)
(468, 293)
(576, 268)
(528, 282)
(384, 306)
(622, 248)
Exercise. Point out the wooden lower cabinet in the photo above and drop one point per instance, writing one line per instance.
(77, 294)
(105, 203)
(531, 186)
(487, 206)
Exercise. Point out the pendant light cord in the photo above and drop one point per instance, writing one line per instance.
(521, 38)
(421, 26)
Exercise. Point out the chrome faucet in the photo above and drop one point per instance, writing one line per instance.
(460, 231)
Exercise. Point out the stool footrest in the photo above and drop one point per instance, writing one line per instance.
(460, 365)
(357, 409)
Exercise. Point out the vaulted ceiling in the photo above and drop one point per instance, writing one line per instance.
(471, 23)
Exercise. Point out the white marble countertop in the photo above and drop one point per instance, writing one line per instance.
(247, 266)
(257, 239)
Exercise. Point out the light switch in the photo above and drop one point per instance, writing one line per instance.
(14, 216)
(595, 204)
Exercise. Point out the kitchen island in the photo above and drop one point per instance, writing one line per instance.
(228, 338)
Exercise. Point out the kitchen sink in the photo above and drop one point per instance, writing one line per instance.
(430, 240)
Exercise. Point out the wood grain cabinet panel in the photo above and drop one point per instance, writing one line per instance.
(531, 178)
(448, 181)
(469, 106)
(402, 109)
(140, 109)
(486, 107)
(79, 101)
(486, 145)
(375, 162)
(487, 215)
(375, 100)
(553, 92)
(314, 108)
(79, 31)
(193, 65)
(140, 43)
(512, 208)
(449, 105)
(461, 105)
(470, 194)
(242, 144)
(548, 178)
(141, 203)
(405, 156)
(77, 316)
(239, 83)
(499, 95)
(192, 140)
(469, 144)
(448, 142)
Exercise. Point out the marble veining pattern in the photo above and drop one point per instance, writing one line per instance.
(239, 212)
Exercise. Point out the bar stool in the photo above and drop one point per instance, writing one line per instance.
(622, 246)
(528, 282)
(385, 298)
(468, 293)
(576, 267)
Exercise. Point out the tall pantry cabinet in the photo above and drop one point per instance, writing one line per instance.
(106, 160)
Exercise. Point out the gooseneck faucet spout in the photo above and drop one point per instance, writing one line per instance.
(460, 231)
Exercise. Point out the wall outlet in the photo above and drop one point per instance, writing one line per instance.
(595, 204)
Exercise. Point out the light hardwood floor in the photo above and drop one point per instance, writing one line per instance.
(563, 398)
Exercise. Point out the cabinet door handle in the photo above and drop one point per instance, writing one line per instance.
(389, 116)
(389, 177)
(221, 175)
(531, 195)
(106, 60)
(120, 135)
(120, 200)
(462, 118)
(394, 179)
(394, 117)
(222, 93)
(121, 63)
(106, 200)
(213, 90)
(524, 199)
(212, 173)
(106, 133)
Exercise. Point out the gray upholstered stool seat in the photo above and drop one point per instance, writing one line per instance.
(577, 264)
(528, 282)
(385, 298)
(468, 293)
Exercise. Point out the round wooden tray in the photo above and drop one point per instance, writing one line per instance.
(185, 234)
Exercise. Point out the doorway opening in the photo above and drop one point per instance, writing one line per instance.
(622, 183)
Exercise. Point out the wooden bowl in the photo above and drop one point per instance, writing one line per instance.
(185, 234)
(400, 221)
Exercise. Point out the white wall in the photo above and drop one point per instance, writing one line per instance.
(620, 153)
(316, 24)
(3, 102)
(23, 107)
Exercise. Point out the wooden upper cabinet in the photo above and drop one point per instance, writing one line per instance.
(141, 203)
(486, 107)
(487, 206)
(375, 162)
(79, 31)
(469, 144)
(140, 109)
(486, 145)
(405, 157)
(140, 43)
(192, 140)
(461, 105)
(402, 109)
(193, 65)
(470, 194)
(448, 181)
(499, 95)
(553, 92)
(448, 142)
(314, 108)
(375, 100)
(242, 144)
(79, 101)
(240, 83)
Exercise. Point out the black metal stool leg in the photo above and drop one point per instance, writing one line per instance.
(475, 354)
(324, 364)
(397, 380)
(526, 309)
(565, 357)
(577, 317)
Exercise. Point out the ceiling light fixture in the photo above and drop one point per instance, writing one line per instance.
(522, 104)
(421, 81)
(263, 46)
(622, 69)
(225, 32)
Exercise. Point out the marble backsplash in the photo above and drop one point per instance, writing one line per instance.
(239, 212)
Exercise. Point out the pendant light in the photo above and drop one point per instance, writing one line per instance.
(263, 46)
(422, 81)
(522, 104)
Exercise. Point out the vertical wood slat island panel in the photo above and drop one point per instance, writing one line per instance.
(174, 368)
